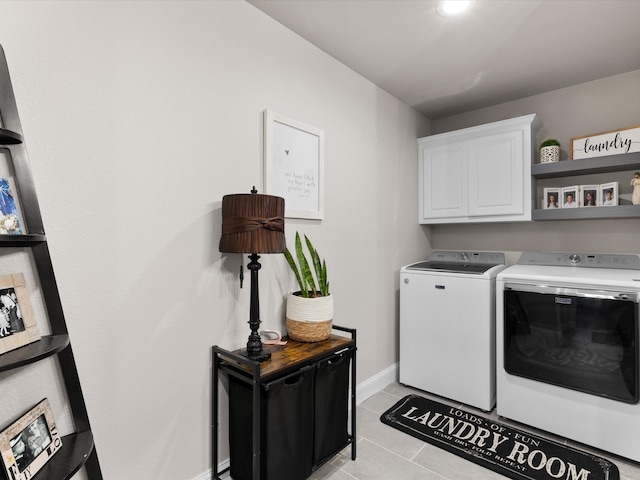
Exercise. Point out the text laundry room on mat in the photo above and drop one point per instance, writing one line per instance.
(501, 448)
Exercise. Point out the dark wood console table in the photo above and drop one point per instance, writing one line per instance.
(255, 379)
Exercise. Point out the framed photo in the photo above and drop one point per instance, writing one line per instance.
(294, 165)
(570, 196)
(10, 223)
(552, 198)
(17, 320)
(613, 142)
(27, 444)
(589, 195)
(609, 194)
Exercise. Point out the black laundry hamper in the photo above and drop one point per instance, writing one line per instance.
(286, 417)
(331, 406)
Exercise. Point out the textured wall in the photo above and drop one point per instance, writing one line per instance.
(138, 118)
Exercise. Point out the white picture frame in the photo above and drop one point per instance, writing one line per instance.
(293, 166)
(570, 196)
(590, 196)
(606, 189)
(552, 198)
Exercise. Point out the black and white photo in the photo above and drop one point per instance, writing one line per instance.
(28, 443)
(17, 323)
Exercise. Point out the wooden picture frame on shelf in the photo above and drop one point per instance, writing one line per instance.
(552, 198)
(609, 194)
(570, 197)
(28, 443)
(18, 326)
(590, 195)
(293, 166)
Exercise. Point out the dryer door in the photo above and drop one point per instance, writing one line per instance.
(582, 339)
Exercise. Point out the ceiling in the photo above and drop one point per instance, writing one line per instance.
(498, 51)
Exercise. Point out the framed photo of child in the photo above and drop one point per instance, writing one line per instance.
(552, 198)
(609, 194)
(570, 197)
(589, 195)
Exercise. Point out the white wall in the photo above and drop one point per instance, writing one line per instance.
(138, 118)
(601, 105)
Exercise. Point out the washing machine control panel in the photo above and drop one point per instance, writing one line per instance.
(592, 260)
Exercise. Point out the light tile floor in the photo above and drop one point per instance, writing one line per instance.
(384, 453)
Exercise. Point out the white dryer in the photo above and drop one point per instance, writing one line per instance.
(447, 325)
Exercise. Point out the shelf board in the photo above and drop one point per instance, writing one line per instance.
(21, 240)
(7, 137)
(73, 454)
(589, 213)
(564, 168)
(45, 347)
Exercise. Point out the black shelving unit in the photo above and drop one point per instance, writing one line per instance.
(78, 448)
(286, 362)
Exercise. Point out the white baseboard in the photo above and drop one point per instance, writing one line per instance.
(377, 383)
(364, 390)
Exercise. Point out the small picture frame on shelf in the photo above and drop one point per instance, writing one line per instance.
(609, 194)
(28, 443)
(570, 197)
(10, 223)
(552, 198)
(589, 195)
(18, 326)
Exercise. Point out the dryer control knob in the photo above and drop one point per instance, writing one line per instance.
(406, 280)
(574, 258)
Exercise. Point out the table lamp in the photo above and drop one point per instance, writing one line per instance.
(253, 224)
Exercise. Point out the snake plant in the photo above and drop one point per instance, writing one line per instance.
(303, 273)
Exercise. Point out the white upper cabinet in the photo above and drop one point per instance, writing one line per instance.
(478, 174)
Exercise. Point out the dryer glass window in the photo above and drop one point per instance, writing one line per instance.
(583, 340)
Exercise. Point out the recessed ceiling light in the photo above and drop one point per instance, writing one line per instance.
(451, 8)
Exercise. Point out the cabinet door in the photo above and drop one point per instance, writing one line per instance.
(496, 174)
(443, 181)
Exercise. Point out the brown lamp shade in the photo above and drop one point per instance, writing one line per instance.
(252, 223)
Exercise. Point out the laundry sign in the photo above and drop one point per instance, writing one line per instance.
(614, 142)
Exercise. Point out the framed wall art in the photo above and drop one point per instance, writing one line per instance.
(589, 195)
(27, 444)
(609, 194)
(613, 142)
(570, 197)
(293, 166)
(18, 326)
(9, 217)
(552, 198)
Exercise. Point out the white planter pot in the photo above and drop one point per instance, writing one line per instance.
(550, 154)
(309, 319)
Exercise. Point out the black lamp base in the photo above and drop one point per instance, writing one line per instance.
(261, 356)
(254, 344)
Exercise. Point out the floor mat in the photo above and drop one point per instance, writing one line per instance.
(510, 452)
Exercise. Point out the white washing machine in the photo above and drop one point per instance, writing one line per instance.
(447, 325)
